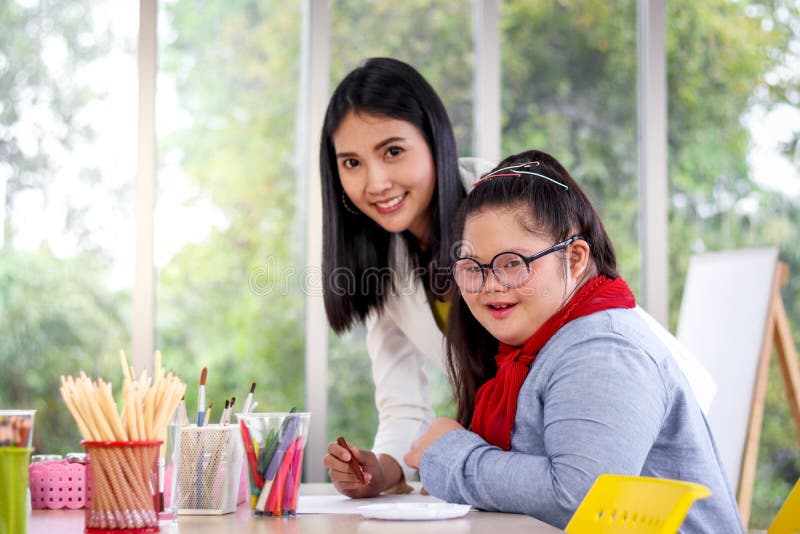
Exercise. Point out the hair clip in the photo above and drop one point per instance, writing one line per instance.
(517, 172)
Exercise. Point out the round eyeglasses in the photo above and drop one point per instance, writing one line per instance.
(511, 269)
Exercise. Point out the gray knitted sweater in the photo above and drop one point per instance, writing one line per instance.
(603, 396)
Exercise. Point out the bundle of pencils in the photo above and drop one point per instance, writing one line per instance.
(148, 404)
(123, 444)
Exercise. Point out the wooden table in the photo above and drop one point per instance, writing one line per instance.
(72, 521)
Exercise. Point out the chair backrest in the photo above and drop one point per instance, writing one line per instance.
(618, 504)
(788, 519)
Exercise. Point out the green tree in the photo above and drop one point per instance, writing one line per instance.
(29, 82)
(57, 315)
(234, 301)
(56, 320)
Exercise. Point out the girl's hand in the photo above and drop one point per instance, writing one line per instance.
(343, 478)
(440, 426)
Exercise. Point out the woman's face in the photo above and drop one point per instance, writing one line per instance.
(513, 315)
(387, 171)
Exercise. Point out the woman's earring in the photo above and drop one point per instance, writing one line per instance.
(346, 203)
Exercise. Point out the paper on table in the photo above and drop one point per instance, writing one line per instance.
(339, 504)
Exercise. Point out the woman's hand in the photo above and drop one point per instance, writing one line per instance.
(343, 478)
(440, 426)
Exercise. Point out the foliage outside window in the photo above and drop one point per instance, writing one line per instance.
(67, 148)
(230, 221)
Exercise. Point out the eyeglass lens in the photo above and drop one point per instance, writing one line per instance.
(510, 269)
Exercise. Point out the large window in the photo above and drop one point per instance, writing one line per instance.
(67, 165)
(569, 88)
(438, 46)
(230, 220)
(734, 112)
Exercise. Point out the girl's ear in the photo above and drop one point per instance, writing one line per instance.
(578, 256)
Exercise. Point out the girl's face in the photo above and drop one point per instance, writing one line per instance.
(387, 171)
(513, 315)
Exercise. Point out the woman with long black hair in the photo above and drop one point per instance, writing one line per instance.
(391, 184)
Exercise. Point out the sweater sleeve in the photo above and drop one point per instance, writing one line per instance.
(401, 389)
(602, 403)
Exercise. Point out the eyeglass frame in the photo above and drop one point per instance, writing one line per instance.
(527, 259)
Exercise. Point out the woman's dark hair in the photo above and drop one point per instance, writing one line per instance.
(548, 210)
(356, 262)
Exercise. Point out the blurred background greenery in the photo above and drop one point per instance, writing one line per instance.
(231, 213)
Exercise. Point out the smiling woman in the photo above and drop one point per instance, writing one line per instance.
(391, 182)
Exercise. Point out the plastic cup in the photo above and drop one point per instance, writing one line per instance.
(125, 495)
(274, 443)
(13, 488)
(22, 423)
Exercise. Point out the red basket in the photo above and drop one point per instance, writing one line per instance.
(125, 494)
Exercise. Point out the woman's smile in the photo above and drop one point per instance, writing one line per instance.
(391, 205)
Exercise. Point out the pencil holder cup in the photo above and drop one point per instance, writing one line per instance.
(273, 446)
(207, 463)
(13, 486)
(125, 479)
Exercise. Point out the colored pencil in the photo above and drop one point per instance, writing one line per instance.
(354, 466)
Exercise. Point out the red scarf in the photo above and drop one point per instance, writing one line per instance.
(496, 400)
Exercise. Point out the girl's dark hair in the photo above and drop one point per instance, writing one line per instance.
(548, 210)
(356, 262)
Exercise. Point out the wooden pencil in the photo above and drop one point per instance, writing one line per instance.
(354, 466)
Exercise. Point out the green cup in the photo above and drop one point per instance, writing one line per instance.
(13, 486)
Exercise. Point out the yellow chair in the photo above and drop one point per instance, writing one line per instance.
(618, 504)
(788, 519)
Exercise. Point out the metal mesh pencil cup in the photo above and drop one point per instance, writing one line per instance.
(208, 463)
(125, 493)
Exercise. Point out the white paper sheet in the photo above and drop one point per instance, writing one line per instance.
(339, 504)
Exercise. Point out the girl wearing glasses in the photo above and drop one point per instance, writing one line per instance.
(557, 375)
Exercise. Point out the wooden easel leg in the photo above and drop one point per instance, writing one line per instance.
(787, 357)
(747, 474)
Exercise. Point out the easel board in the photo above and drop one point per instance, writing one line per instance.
(722, 321)
(731, 318)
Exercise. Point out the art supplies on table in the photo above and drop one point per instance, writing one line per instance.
(355, 468)
(16, 428)
(248, 401)
(123, 448)
(16, 437)
(201, 398)
(206, 458)
(207, 464)
(57, 482)
(274, 444)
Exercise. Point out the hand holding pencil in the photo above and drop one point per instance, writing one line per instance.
(354, 467)
(345, 462)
